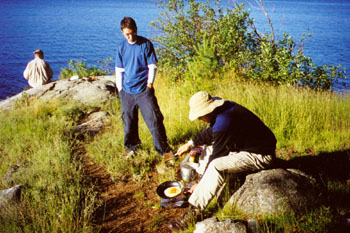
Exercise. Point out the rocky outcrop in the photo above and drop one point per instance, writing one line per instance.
(10, 196)
(275, 192)
(83, 90)
(93, 124)
(212, 225)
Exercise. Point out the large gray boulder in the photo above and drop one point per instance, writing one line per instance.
(275, 192)
(84, 91)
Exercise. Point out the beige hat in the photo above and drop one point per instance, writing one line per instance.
(202, 104)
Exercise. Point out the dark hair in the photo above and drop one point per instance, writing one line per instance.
(128, 22)
(40, 53)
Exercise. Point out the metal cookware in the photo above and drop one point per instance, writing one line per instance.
(163, 186)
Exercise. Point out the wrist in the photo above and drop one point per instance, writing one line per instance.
(190, 143)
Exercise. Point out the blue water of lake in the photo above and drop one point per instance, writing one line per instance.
(89, 30)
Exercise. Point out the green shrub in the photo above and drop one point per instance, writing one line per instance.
(182, 29)
(81, 69)
(196, 37)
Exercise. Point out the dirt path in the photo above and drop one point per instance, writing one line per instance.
(128, 207)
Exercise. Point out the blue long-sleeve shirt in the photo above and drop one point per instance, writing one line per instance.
(234, 128)
(135, 58)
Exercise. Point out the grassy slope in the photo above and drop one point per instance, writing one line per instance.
(304, 122)
(39, 135)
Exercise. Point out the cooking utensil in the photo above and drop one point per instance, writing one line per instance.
(187, 172)
(188, 169)
(162, 187)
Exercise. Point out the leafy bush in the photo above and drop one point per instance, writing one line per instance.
(197, 38)
(183, 30)
(81, 69)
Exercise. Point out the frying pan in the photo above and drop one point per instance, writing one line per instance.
(167, 184)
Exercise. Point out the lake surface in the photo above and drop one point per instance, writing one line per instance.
(89, 30)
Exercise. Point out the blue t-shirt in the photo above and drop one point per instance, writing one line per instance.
(135, 58)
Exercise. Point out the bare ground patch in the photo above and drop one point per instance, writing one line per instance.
(127, 206)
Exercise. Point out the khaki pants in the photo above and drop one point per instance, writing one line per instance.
(212, 181)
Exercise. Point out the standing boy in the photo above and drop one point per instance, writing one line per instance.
(135, 69)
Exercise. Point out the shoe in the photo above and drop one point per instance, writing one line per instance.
(192, 215)
(129, 154)
(130, 150)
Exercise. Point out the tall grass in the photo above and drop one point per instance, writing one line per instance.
(302, 119)
(54, 200)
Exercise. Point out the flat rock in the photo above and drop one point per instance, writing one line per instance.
(89, 92)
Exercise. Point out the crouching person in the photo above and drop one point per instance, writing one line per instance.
(241, 143)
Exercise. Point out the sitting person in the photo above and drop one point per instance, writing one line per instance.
(38, 72)
(240, 142)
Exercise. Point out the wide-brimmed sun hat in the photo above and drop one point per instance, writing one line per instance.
(202, 103)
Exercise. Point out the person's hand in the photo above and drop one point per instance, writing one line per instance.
(193, 188)
(150, 85)
(183, 149)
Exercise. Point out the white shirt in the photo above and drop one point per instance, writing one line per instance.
(38, 72)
